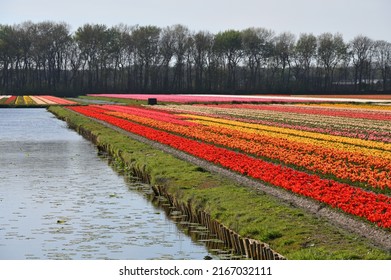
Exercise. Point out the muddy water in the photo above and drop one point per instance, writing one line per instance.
(60, 200)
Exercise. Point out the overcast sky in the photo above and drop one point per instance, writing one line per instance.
(348, 17)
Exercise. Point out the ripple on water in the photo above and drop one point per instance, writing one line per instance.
(59, 200)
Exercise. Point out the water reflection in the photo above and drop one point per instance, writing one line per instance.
(59, 200)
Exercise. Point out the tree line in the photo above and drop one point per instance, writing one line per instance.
(48, 57)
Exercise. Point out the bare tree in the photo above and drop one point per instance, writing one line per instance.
(257, 48)
(382, 53)
(203, 43)
(229, 45)
(283, 55)
(92, 40)
(181, 43)
(8, 55)
(304, 55)
(331, 51)
(146, 42)
(167, 52)
(45, 56)
(361, 49)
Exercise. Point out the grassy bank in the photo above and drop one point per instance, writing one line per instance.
(290, 231)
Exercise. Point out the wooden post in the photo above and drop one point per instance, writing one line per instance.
(263, 252)
(247, 247)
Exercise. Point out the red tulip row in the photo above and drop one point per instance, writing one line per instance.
(375, 208)
(10, 99)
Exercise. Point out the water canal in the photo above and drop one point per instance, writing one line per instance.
(60, 200)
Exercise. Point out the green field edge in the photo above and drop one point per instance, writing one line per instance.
(290, 231)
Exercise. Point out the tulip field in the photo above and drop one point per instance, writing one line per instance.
(211, 98)
(27, 100)
(337, 154)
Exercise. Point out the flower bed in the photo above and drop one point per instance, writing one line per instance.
(30, 100)
(331, 125)
(177, 98)
(211, 98)
(10, 100)
(313, 165)
(57, 100)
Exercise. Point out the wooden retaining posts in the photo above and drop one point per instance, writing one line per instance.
(246, 247)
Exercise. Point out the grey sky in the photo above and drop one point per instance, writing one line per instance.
(349, 17)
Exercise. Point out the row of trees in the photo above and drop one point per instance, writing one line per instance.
(48, 57)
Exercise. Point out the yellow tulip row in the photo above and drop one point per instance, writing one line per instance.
(281, 117)
(298, 135)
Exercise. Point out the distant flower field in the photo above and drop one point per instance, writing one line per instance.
(337, 154)
(211, 98)
(191, 98)
(27, 100)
